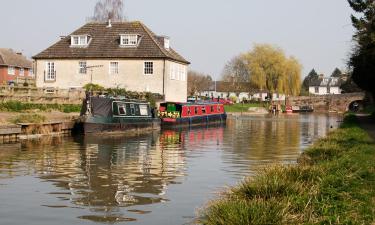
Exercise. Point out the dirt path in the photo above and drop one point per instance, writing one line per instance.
(54, 116)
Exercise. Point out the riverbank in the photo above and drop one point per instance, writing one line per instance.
(332, 183)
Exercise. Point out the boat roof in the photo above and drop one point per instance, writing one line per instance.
(194, 103)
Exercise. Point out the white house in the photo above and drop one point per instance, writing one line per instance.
(120, 54)
(325, 86)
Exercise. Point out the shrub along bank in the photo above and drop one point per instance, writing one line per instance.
(332, 183)
(17, 106)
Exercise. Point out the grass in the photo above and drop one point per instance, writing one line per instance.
(17, 106)
(28, 118)
(239, 107)
(332, 183)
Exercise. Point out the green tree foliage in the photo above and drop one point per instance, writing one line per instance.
(362, 60)
(93, 87)
(313, 75)
(270, 69)
(336, 73)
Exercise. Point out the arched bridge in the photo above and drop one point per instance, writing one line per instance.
(337, 103)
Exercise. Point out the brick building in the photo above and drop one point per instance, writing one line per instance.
(14, 67)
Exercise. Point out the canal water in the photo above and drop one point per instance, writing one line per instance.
(160, 178)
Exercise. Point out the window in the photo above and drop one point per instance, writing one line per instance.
(316, 89)
(82, 67)
(22, 71)
(203, 110)
(121, 109)
(172, 71)
(31, 72)
(143, 110)
(50, 73)
(129, 40)
(177, 72)
(80, 40)
(11, 70)
(113, 68)
(149, 68)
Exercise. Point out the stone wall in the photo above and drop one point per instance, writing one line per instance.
(41, 95)
(325, 103)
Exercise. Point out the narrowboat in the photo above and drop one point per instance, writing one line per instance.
(189, 114)
(116, 114)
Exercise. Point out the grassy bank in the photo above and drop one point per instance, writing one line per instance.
(16, 106)
(333, 183)
(239, 107)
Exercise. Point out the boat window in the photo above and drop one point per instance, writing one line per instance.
(196, 110)
(143, 110)
(212, 109)
(188, 111)
(203, 109)
(132, 110)
(121, 109)
(218, 108)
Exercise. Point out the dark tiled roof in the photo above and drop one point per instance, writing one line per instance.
(105, 43)
(332, 82)
(10, 58)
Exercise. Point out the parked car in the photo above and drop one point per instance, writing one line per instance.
(223, 101)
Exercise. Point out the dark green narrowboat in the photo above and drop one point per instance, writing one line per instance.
(116, 114)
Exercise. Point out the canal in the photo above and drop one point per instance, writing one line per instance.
(159, 178)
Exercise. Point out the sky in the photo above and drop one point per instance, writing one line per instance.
(208, 33)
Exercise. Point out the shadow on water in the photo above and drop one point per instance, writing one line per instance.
(112, 179)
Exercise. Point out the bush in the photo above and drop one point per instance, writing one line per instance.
(16, 106)
(93, 87)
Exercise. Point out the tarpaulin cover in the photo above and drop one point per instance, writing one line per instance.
(101, 106)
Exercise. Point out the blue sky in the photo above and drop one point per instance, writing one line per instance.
(208, 33)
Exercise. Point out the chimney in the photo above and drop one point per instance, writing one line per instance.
(166, 42)
(19, 53)
(109, 25)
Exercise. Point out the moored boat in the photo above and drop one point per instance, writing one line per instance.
(189, 114)
(116, 114)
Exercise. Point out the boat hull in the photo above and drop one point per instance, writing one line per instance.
(193, 121)
(93, 125)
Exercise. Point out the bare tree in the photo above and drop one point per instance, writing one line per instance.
(109, 9)
(236, 76)
(198, 82)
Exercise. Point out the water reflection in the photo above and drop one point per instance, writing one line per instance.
(123, 179)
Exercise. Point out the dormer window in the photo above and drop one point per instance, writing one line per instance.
(129, 39)
(80, 40)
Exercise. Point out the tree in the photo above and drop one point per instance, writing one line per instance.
(362, 61)
(313, 75)
(108, 9)
(236, 74)
(198, 82)
(271, 70)
(336, 73)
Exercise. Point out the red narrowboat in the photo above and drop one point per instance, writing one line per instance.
(189, 114)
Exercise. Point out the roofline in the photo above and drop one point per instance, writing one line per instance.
(114, 57)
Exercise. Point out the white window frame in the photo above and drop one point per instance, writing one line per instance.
(148, 71)
(79, 40)
(31, 72)
(82, 67)
(129, 40)
(50, 75)
(11, 70)
(172, 71)
(21, 71)
(114, 70)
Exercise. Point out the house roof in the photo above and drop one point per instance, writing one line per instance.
(224, 86)
(324, 82)
(105, 43)
(10, 58)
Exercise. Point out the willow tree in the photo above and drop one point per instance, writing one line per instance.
(271, 70)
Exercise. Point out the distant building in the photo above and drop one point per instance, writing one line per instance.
(14, 67)
(326, 85)
(119, 54)
(222, 89)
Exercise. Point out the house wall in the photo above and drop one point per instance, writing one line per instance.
(131, 76)
(243, 95)
(5, 77)
(324, 90)
(175, 87)
(335, 90)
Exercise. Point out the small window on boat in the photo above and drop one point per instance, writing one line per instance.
(203, 109)
(188, 111)
(212, 108)
(218, 108)
(132, 109)
(196, 110)
(143, 110)
(121, 109)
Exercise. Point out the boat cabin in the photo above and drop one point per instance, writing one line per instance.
(186, 110)
(116, 107)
